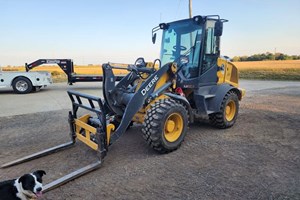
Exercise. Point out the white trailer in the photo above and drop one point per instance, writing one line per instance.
(25, 82)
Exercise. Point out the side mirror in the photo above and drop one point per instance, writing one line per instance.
(154, 38)
(218, 28)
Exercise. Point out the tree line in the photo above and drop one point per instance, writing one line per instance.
(266, 56)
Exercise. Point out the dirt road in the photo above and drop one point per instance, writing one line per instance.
(258, 158)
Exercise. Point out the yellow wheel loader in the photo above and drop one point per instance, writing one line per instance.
(189, 81)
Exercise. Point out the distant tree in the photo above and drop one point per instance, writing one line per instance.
(280, 56)
(243, 58)
(295, 57)
(266, 56)
(236, 59)
(270, 56)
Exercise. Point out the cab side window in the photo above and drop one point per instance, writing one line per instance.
(210, 42)
(210, 52)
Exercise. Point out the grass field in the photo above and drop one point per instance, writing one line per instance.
(270, 70)
(266, 70)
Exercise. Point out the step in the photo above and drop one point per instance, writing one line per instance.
(210, 112)
(208, 96)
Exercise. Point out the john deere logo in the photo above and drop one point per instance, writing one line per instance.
(149, 86)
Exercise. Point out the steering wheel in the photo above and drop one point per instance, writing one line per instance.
(183, 61)
(182, 48)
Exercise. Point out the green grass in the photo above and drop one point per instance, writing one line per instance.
(264, 74)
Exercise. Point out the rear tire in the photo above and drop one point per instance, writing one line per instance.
(165, 125)
(22, 85)
(228, 111)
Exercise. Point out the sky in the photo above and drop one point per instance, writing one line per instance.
(119, 31)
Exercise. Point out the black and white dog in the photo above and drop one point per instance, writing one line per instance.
(27, 187)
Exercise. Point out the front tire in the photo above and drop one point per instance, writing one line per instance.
(228, 111)
(165, 125)
(22, 85)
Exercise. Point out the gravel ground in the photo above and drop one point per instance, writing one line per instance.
(258, 158)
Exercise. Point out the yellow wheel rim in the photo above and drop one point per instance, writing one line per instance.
(173, 127)
(230, 110)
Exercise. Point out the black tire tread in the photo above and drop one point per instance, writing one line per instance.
(152, 124)
(30, 87)
(218, 119)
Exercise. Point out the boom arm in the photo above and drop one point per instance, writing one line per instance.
(136, 102)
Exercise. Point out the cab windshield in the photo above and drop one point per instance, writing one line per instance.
(181, 43)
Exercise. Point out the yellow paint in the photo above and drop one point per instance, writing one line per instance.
(90, 143)
(149, 65)
(173, 127)
(170, 126)
(166, 77)
(162, 80)
(243, 92)
(228, 73)
(139, 117)
(109, 129)
(174, 68)
(81, 123)
(230, 111)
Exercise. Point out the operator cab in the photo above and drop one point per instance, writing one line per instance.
(194, 45)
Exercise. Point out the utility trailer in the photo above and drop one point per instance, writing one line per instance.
(25, 82)
(68, 67)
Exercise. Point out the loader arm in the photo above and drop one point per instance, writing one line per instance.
(109, 86)
(137, 100)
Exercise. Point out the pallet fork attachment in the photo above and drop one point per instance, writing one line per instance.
(95, 138)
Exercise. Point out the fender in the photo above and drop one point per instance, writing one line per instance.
(220, 91)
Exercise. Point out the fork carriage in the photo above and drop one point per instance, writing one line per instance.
(94, 137)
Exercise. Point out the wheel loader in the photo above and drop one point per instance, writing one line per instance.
(189, 81)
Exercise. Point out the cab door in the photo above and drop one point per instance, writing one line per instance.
(208, 69)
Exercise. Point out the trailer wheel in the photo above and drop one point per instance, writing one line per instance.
(228, 111)
(165, 125)
(22, 85)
